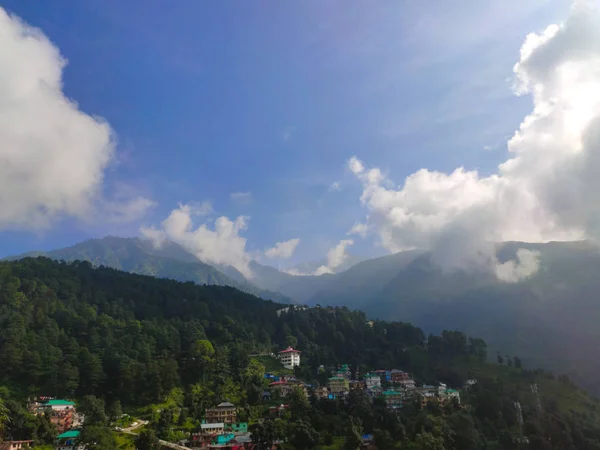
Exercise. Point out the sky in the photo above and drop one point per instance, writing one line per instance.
(299, 131)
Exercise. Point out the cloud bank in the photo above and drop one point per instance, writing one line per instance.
(549, 187)
(53, 156)
(283, 250)
(221, 244)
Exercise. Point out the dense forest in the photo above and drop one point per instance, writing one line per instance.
(112, 339)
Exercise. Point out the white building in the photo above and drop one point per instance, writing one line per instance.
(289, 358)
(372, 381)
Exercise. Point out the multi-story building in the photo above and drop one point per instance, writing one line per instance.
(393, 399)
(224, 412)
(338, 385)
(372, 381)
(397, 376)
(69, 440)
(62, 412)
(289, 358)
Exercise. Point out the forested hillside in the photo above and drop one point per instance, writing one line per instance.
(71, 330)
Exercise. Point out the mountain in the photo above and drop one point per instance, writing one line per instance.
(141, 256)
(311, 266)
(106, 337)
(550, 319)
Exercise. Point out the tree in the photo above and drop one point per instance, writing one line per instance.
(147, 440)
(4, 417)
(165, 422)
(98, 438)
(93, 408)
(383, 439)
(302, 436)
(354, 434)
(115, 410)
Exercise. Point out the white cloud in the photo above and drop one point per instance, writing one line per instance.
(548, 189)
(53, 156)
(221, 244)
(335, 257)
(359, 228)
(242, 198)
(283, 250)
(336, 186)
(526, 265)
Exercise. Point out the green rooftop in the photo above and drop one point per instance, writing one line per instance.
(451, 391)
(59, 403)
(391, 392)
(337, 379)
(69, 434)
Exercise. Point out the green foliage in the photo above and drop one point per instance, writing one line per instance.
(147, 440)
(98, 438)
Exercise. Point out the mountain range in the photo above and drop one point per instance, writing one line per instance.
(550, 320)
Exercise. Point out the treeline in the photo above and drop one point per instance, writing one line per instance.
(101, 335)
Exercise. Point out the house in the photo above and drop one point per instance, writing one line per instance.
(321, 392)
(338, 385)
(15, 445)
(356, 385)
(385, 375)
(407, 384)
(62, 412)
(212, 428)
(289, 358)
(69, 440)
(398, 376)
(451, 394)
(343, 371)
(393, 399)
(266, 395)
(282, 387)
(372, 381)
(224, 412)
(278, 410)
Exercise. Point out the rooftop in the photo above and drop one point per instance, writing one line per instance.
(289, 350)
(205, 426)
(225, 405)
(391, 392)
(69, 434)
(59, 403)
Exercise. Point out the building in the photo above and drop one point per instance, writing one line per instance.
(385, 375)
(407, 384)
(451, 394)
(15, 445)
(62, 412)
(278, 410)
(289, 358)
(321, 392)
(338, 385)
(224, 412)
(69, 440)
(212, 428)
(393, 399)
(398, 376)
(356, 385)
(372, 381)
(343, 371)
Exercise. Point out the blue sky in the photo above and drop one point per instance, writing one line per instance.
(273, 98)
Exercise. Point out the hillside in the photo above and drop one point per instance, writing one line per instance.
(141, 256)
(72, 330)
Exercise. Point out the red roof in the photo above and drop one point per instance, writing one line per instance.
(289, 350)
(277, 383)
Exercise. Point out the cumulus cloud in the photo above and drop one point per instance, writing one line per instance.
(335, 257)
(219, 244)
(283, 250)
(53, 156)
(548, 189)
